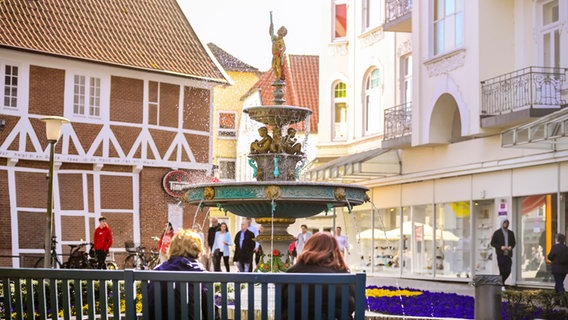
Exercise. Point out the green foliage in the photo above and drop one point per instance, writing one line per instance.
(273, 262)
(547, 304)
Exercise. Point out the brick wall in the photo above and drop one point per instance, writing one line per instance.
(46, 91)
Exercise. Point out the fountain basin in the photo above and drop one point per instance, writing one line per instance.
(278, 115)
(289, 199)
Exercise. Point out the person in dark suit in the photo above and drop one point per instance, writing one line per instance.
(503, 240)
(321, 254)
(559, 256)
(244, 248)
(211, 232)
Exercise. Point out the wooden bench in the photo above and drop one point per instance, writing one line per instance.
(232, 294)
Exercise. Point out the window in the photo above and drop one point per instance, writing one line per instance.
(550, 33)
(340, 22)
(372, 14)
(10, 86)
(227, 169)
(153, 102)
(373, 117)
(406, 76)
(448, 25)
(227, 124)
(86, 96)
(340, 112)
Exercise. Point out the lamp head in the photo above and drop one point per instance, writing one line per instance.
(53, 127)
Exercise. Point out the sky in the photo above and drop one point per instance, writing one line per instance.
(240, 27)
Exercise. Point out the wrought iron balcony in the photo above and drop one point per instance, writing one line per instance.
(398, 126)
(521, 95)
(398, 15)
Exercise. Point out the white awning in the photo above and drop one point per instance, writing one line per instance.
(548, 132)
(356, 167)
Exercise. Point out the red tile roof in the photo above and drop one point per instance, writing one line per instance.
(302, 85)
(143, 34)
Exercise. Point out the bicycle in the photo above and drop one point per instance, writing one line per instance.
(137, 257)
(55, 263)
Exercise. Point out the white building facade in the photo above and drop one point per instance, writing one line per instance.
(452, 113)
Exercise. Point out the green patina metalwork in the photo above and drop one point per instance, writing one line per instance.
(254, 168)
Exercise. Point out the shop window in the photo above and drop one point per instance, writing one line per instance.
(452, 240)
(538, 225)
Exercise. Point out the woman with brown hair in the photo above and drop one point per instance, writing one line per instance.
(321, 254)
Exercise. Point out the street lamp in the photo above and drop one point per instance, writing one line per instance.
(52, 131)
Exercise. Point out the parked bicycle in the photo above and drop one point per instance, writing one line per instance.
(55, 263)
(78, 258)
(137, 257)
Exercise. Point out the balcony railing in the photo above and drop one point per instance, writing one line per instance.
(396, 9)
(532, 87)
(398, 121)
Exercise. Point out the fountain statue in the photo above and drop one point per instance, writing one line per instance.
(276, 198)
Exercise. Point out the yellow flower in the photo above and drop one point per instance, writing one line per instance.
(391, 293)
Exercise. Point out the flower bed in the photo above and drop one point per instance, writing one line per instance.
(518, 304)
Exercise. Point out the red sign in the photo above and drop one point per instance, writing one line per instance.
(176, 182)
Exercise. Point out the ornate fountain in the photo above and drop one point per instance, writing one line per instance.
(276, 198)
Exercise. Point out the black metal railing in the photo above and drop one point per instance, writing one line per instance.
(79, 294)
(396, 9)
(398, 121)
(531, 87)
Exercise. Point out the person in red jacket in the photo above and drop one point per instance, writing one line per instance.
(102, 242)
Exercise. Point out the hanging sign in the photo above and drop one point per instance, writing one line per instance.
(176, 182)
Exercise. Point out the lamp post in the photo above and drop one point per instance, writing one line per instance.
(52, 132)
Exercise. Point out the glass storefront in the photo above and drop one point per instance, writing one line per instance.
(451, 240)
(539, 224)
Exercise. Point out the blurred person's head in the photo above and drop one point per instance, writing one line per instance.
(322, 249)
(186, 243)
(223, 227)
(560, 238)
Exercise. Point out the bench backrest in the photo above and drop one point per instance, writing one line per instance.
(40, 291)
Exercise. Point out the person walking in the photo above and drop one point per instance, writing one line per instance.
(503, 240)
(321, 254)
(244, 247)
(301, 239)
(252, 228)
(185, 249)
(164, 242)
(102, 241)
(341, 241)
(210, 241)
(559, 256)
(221, 247)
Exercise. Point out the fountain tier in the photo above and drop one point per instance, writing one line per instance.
(288, 199)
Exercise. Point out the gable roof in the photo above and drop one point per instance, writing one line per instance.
(152, 35)
(302, 85)
(228, 61)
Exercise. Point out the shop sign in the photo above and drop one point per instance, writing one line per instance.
(175, 183)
